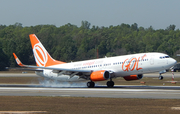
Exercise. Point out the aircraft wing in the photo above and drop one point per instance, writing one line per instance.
(64, 71)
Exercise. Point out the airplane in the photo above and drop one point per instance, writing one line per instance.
(130, 67)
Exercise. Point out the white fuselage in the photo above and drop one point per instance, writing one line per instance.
(120, 66)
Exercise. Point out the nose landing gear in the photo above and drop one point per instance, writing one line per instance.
(160, 77)
(161, 72)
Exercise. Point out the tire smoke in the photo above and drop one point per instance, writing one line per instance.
(55, 83)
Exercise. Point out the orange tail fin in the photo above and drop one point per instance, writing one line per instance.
(41, 55)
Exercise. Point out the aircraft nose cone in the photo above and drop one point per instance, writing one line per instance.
(173, 61)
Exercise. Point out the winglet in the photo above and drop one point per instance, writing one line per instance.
(17, 60)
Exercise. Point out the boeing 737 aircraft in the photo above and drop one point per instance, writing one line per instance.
(130, 67)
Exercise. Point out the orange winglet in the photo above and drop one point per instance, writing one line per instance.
(17, 60)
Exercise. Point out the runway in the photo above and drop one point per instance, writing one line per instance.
(23, 74)
(120, 91)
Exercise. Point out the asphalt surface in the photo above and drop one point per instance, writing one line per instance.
(119, 91)
(156, 92)
(18, 74)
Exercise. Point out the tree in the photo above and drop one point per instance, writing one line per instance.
(171, 27)
(85, 24)
(3, 59)
(134, 26)
(71, 43)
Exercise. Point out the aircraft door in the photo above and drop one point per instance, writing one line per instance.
(151, 60)
(102, 65)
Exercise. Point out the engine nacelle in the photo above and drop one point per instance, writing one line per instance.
(100, 75)
(133, 77)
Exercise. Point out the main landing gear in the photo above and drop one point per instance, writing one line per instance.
(160, 77)
(109, 84)
(90, 84)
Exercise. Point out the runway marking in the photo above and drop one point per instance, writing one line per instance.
(65, 95)
(89, 89)
(175, 108)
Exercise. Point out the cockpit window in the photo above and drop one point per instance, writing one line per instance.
(163, 57)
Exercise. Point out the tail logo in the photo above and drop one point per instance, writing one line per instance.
(40, 54)
(18, 61)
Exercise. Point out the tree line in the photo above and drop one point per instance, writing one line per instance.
(72, 43)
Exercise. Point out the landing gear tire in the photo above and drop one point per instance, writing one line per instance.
(160, 77)
(90, 84)
(110, 84)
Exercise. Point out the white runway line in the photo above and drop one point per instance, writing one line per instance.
(88, 89)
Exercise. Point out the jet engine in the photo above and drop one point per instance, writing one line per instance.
(133, 77)
(100, 75)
